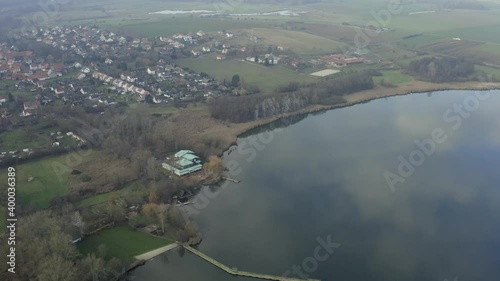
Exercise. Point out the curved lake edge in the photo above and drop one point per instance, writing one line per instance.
(352, 101)
(408, 105)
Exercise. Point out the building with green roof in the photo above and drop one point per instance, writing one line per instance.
(183, 163)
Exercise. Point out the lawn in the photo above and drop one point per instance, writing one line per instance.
(393, 77)
(36, 137)
(134, 188)
(100, 198)
(122, 242)
(266, 78)
(51, 179)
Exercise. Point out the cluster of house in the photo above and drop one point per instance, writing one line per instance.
(267, 59)
(4, 155)
(98, 50)
(126, 87)
(30, 108)
(23, 65)
(55, 137)
(180, 41)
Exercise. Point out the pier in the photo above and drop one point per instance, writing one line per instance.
(149, 255)
(242, 273)
(230, 179)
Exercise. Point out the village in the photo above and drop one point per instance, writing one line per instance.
(90, 68)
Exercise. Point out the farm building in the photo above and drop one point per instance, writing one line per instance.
(183, 163)
(342, 60)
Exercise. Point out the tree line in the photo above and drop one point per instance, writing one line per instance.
(291, 98)
(441, 70)
(44, 252)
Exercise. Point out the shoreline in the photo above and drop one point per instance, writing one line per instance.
(364, 97)
(351, 100)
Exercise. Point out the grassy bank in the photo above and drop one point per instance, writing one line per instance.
(51, 178)
(122, 242)
(393, 77)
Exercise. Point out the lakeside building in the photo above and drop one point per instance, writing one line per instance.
(183, 163)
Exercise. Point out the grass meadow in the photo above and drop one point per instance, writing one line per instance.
(122, 242)
(266, 78)
(51, 179)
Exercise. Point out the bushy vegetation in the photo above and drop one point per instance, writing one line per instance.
(292, 98)
(441, 70)
(45, 251)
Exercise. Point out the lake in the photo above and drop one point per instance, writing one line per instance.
(402, 188)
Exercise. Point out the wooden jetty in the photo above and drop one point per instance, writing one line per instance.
(149, 255)
(230, 179)
(242, 273)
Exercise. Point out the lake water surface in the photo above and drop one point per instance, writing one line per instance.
(324, 178)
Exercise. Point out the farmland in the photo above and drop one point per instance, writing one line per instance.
(266, 78)
(134, 188)
(171, 26)
(299, 42)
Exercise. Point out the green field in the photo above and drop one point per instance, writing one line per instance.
(134, 188)
(299, 42)
(122, 242)
(51, 179)
(495, 72)
(393, 77)
(36, 137)
(266, 78)
(101, 198)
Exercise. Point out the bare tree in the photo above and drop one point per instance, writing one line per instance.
(44, 249)
(77, 220)
(162, 214)
(56, 268)
(94, 266)
(152, 168)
